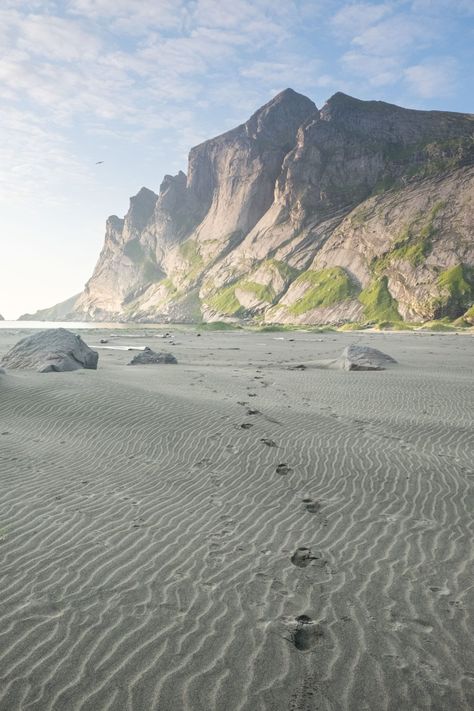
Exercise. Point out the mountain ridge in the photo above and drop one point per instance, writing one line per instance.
(355, 212)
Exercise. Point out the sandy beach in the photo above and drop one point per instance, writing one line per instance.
(149, 532)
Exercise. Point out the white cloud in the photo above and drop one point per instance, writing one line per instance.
(394, 36)
(132, 16)
(378, 71)
(35, 162)
(432, 78)
(57, 39)
(358, 17)
(285, 72)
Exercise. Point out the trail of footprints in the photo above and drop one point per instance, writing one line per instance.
(305, 633)
(183, 595)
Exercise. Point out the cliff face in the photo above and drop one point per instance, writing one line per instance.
(360, 211)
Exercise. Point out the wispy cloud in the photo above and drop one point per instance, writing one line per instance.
(437, 77)
(396, 44)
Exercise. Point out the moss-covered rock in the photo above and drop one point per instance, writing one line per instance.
(469, 315)
(224, 301)
(325, 287)
(414, 243)
(379, 304)
(457, 288)
(189, 250)
(260, 291)
(285, 270)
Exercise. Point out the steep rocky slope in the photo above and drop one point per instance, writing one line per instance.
(360, 211)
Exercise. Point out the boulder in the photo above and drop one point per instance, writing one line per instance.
(51, 350)
(149, 357)
(356, 357)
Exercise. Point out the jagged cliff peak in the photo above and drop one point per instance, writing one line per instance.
(361, 210)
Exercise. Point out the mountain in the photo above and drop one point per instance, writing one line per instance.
(63, 311)
(361, 211)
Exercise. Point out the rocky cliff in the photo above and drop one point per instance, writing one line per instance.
(361, 211)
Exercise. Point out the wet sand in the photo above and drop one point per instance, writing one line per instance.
(233, 533)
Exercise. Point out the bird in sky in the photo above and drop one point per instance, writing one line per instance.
(99, 162)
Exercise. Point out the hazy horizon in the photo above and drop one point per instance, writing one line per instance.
(136, 86)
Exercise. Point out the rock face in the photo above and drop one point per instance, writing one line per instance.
(52, 350)
(1, 318)
(360, 211)
(363, 358)
(149, 357)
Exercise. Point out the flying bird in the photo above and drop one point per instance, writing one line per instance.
(99, 162)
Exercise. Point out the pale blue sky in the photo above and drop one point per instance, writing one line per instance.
(136, 83)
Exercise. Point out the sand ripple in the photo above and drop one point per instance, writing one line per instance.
(147, 538)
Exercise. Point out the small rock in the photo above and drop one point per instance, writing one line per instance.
(149, 357)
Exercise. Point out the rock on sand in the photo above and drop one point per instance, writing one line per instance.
(52, 350)
(149, 357)
(356, 357)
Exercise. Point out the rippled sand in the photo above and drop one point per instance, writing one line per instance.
(149, 545)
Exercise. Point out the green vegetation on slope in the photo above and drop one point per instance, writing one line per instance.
(168, 284)
(379, 305)
(225, 301)
(469, 315)
(261, 291)
(190, 252)
(413, 245)
(441, 156)
(286, 272)
(325, 288)
(457, 284)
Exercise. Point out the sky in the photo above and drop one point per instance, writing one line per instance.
(137, 83)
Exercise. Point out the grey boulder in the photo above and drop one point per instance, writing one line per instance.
(149, 357)
(363, 358)
(52, 350)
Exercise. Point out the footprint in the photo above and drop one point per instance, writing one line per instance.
(312, 506)
(268, 442)
(306, 633)
(246, 425)
(253, 412)
(202, 463)
(302, 557)
(283, 469)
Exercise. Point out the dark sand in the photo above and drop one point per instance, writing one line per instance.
(148, 546)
